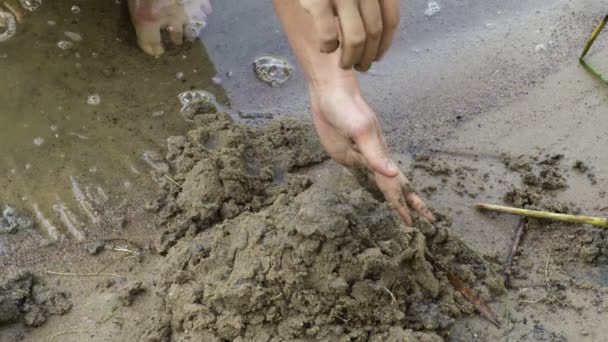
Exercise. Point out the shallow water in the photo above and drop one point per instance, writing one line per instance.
(55, 141)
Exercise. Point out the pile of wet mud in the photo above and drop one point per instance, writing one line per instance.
(256, 251)
(24, 298)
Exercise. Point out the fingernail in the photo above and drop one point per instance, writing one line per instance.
(391, 167)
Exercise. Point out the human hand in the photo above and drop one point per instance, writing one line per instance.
(364, 30)
(351, 134)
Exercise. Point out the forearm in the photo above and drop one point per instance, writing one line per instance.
(319, 68)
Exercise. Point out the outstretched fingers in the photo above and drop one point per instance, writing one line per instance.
(415, 202)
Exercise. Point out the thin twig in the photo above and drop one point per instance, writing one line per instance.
(91, 327)
(393, 299)
(547, 268)
(506, 269)
(480, 305)
(84, 274)
(533, 301)
(173, 181)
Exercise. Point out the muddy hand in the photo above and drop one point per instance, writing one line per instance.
(182, 19)
(15, 8)
(350, 132)
(364, 28)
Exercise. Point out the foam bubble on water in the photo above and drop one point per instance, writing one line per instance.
(30, 5)
(75, 9)
(93, 100)
(73, 36)
(38, 141)
(432, 9)
(8, 26)
(64, 44)
(216, 79)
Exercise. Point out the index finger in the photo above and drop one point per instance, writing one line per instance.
(390, 23)
(415, 202)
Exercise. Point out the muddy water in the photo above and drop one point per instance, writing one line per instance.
(58, 146)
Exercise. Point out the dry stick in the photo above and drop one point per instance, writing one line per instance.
(506, 268)
(91, 327)
(84, 274)
(596, 221)
(590, 41)
(466, 292)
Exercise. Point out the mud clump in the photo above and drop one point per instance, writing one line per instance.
(224, 169)
(23, 298)
(433, 167)
(594, 247)
(13, 220)
(260, 253)
(323, 266)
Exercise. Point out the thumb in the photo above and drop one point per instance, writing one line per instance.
(373, 147)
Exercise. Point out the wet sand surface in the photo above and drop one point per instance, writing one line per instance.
(475, 80)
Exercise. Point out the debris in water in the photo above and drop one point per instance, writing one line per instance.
(12, 220)
(194, 29)
(196, 102)
(216, 80)
(432, 9)
(30, 5)
(93, 100)
(73, 36)
(38, 141)
(272, 70)
(64, 44)
(255, 115)
(8, 24)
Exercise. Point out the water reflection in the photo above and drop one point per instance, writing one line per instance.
(80, 105)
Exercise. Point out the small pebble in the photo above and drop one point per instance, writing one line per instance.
(95, 247)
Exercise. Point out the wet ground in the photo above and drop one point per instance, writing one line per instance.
(470, 82)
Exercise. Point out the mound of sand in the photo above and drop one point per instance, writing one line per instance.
(256, 252)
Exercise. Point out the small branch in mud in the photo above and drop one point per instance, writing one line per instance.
(506, 268)
(173, 181)
(468, 294)
(84, 274)
(91, 327)
(393, 299)
(547, 269)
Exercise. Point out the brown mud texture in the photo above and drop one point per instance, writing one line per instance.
(256, 251)
(24, 298)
